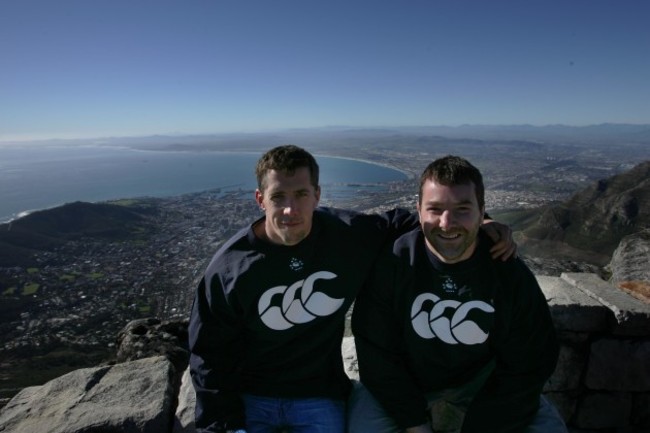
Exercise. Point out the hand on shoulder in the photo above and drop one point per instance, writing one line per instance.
(504, 245)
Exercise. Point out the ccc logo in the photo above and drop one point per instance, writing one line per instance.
(295, 310)
(458, 330)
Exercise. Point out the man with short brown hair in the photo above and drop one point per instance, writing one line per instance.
(445, 332)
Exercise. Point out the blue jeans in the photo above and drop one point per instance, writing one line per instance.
(294, 415)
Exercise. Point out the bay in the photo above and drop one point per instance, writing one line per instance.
(41, 177)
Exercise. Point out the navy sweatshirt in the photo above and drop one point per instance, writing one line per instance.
(269, 319)
(422, 326)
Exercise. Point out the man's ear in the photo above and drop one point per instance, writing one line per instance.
(259, 198)
(317, 194)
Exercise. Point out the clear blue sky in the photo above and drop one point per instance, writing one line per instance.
(96, 68)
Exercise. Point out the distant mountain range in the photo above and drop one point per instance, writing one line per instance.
(590, 225)
(604, 133)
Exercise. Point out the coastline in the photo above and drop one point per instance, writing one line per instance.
(14, 214)
(409, 174)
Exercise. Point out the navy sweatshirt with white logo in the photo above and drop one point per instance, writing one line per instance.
(268, 320)
(423, 326)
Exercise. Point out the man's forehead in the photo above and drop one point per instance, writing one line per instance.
(436, 192)
(434, 184)
(290, 181)
(297, 172)
(272, 189)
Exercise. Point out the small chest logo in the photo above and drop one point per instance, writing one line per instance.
(449, 286)
(295, 264)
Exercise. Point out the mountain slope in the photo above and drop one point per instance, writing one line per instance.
(595, 219)
(47, 229)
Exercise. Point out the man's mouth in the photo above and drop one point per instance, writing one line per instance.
(449, 236)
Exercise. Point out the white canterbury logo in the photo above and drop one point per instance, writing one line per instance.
(294, 310)
(433, 324)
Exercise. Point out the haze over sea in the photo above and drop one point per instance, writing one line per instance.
(33, 178)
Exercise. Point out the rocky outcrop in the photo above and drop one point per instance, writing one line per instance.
(630, 265)
(133, 397)
(149, 337)
(184, 416)
(631, 260)
(138, 394)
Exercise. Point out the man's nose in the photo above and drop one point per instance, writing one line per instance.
(446, 219)
(289, 206)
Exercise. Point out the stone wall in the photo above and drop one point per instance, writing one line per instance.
(601, 384)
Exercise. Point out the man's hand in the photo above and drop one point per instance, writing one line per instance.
(424, 428)
(504, 246)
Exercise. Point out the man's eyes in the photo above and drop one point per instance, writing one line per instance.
(458, 210)
(280, 197)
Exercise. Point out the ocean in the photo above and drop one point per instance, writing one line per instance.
(33, 178)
